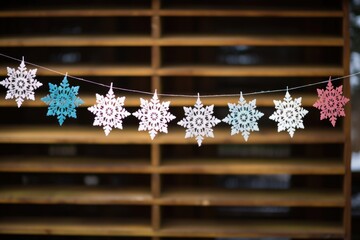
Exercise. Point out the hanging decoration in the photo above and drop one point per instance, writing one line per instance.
(62, 100)
(109, 111)
(243, 117)
(153, 116)
(21, 83)
(289, 114)
(331, 103)
(199, 121)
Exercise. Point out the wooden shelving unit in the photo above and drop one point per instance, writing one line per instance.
(169, 188)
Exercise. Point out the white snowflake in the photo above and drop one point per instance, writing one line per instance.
(153, 116)
(289, 114)
(243, 117)
(21, 83)
(199, 121)
(109, 111)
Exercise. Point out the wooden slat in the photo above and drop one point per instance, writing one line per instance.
(92, 135)
(262, 100)
(91, 70)
(252, 166)
(252, 197)
(89, 100)
(74, 195)
(73, 165)
(252, 71)
(177, 40)
(75, 41)
(171, 228)
(251, 13)
(250, 40)
(200, 71)
(251, 228)
(76, 226)
(113, 12)
(72, 12)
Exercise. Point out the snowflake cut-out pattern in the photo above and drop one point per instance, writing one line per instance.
(243, 117)
(21, 83)
(109, 111)
(153, 116)
(199, 121)
(289, 114)
(62, 100)
(331, 103)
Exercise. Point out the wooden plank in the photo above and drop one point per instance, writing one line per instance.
(251, 228)
(250, 40)
(76, 226)
(262, 100)
(73, 165)
(251, 13)
(73, 12)
(252, 197)
(251, 71)
(76, 41)
(74, 195)
(91, 70)
(91, 135)
(253, 166)
(89, 100)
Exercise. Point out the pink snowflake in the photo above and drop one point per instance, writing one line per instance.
(331, 103)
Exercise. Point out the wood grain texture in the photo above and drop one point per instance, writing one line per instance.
(252, 197)
(251, 228)
(253, 166)
(75, 195)
(91, 135)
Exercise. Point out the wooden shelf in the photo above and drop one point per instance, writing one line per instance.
(251, 13)
(76, 41)
(74, 195)
(76, 226)
(252, 197)
(73, 165)
(262, 100)
(89, 100)
(252, 166)
(250, 40)
(92, 135)
(251, 228)
(91, 70)
(176, 40)
(251, 71)
(73, 12)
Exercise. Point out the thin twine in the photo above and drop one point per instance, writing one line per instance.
(181, 95)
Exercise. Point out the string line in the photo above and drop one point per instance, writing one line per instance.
(182, 95)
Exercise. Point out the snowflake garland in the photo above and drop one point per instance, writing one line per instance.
(109, 111)
(153, 116)
(243, 117)
(331, 103)
(62, 100)
(199, 121)
(21, 83)
(289, 114)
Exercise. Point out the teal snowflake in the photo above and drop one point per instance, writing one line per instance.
(62, 100)
(243, 117)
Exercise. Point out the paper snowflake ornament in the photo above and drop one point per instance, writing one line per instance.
(21, 83)
(289, 114)
(331, 103)
(199, 121)
(243, 117)
(62, 100)
(153, 116)
(109, 111)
